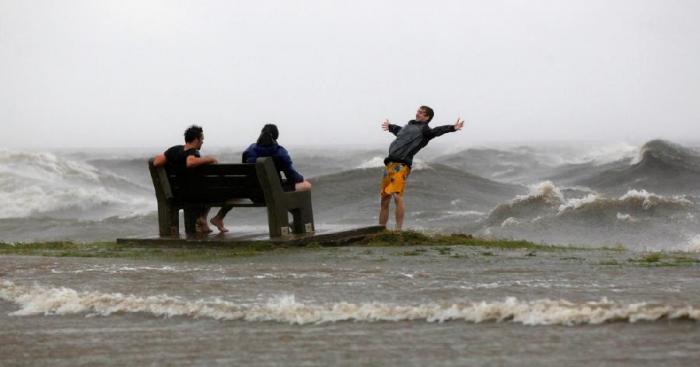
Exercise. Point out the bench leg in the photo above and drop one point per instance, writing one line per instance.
(277, 221)
(168, 223)
(303, 220)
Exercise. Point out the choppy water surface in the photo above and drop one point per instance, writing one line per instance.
(357, 305)
(645, 196)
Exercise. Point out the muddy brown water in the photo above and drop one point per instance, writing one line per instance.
(428, 305)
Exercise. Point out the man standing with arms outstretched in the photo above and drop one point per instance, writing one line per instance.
(409, 140)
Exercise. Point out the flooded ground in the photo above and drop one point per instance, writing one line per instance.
(417, 305)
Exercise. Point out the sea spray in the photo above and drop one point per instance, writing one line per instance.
(694, 244)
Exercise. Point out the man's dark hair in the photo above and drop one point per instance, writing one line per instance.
(193, 132)
(429, 111)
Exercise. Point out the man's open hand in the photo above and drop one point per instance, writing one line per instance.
(385, 125)
(459, 124)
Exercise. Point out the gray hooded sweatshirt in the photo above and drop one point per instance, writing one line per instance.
(412, 138)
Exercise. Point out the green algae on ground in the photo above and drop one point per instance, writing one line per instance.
(442, 244)
(664, 259)
(114, 250)
(418, 243)
(411, 238)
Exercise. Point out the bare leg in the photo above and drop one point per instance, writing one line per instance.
(302, 186)
(202, 221)
(398, 199)
(218, 219)
(384, 210)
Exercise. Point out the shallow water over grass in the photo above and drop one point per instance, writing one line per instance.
(394, 300)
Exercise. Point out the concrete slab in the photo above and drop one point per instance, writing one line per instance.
(322, 237)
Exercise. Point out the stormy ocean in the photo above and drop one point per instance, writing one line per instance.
(622, 210)
(643, 197)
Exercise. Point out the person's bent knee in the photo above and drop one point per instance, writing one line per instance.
(302, 186)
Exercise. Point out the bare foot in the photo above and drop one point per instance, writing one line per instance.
(202, 226)
(218, 223)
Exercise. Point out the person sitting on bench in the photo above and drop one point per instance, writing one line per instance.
(267, 146)
(179, 158)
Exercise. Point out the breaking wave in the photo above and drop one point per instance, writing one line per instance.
(546, 198)
(661, 166)
(633, 200)
(43, 184)
(637, 218)
(543, 199)
(38, 300)
(694, 244)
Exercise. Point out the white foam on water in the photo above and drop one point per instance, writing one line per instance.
(596, 154)
(39, 300)
(609, 153)
(419, 165)
(576, 203)
(545, 190)
(640, 199)
(510, 221)
(694, 244)
(650, 200)
(373, 162)
(36, 184)
(73, 202)
(463, 213)
(121, 269)
(626, 218)
(548, 193)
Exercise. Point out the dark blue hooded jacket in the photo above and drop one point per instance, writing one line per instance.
(282, 160)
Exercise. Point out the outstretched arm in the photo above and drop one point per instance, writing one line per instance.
(394, 129)
(440, 130)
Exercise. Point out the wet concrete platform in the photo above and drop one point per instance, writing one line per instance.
(321, 237)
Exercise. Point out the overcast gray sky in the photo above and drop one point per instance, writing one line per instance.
(136, 73)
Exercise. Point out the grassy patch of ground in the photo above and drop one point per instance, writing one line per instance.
(114, 250)
(439, 244)
(410, 238)
(664, 259)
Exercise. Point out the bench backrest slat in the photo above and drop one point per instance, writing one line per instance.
(241, 169)
(218, 182)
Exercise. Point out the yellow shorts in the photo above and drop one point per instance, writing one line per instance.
(394, 180)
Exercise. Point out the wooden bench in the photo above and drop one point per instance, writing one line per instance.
(238, 185)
